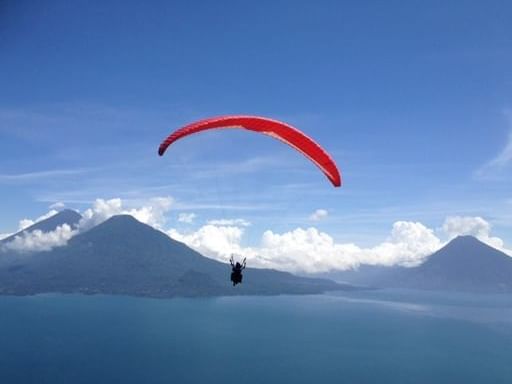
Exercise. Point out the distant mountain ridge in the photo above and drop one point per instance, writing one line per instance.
(66, 216)
(464, 264)
(124, 256)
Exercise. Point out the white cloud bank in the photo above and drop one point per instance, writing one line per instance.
(312, 251)
(41, 241)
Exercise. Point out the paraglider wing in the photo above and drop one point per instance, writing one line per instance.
(279, 130)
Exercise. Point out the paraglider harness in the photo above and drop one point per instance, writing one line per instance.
(236, 271)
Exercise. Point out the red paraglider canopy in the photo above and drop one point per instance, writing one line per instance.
(279, 130)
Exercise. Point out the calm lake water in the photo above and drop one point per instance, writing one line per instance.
(364, 337)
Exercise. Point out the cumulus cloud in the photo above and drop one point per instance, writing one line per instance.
(217, 242)
(318, 215)
(474, 226)
(311, 250)
(100, 211)
(409, 244)
(152, 213)
(187, 218)
(41, 241)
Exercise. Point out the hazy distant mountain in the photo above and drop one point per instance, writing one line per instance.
(124, 256)
(464, 264)
(66, 216)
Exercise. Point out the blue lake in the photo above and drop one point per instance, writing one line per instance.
(362, 337)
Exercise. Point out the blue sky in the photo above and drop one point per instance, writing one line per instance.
(413, 100)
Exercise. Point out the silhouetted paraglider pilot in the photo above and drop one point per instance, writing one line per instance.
(236, 271)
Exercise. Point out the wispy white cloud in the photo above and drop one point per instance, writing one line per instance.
(44, 121)
(33, 176)
(187, 218)
(319, 214)
(230, 222)
(250, 165)
(501, 163)
(214, 206)
(58, 205)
